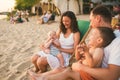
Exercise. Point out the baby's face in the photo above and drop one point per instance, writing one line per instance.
(53, 35)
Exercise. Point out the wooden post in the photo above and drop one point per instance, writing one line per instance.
(68, 5)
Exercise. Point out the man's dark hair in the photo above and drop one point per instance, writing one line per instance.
(107, 35)
(104, 12)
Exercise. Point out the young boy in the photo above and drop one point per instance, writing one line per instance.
(92, 53)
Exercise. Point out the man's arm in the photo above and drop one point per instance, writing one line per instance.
(110, 73)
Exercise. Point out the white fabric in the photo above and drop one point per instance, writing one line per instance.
(66, 43)
(53, 61)
(117, 33)
(42, 54)
(112, 53)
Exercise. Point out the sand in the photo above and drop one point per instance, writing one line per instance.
(18, 42)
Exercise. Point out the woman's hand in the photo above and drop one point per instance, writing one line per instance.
(59, 47)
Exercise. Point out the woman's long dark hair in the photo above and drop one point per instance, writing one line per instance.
(73, 26)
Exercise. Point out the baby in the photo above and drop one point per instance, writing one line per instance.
(51, 49)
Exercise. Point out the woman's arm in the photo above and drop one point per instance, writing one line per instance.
(45, 44)
(94, 58)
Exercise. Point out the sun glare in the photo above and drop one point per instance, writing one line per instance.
(6, 5)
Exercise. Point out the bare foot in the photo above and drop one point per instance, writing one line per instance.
(33, 75)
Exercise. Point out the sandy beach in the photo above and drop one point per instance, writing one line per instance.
(18, 42)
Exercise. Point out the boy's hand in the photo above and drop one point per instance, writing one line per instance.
(84, 48)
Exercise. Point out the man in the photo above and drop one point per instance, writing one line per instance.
(100, 16)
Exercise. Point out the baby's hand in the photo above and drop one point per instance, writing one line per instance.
(47, 51)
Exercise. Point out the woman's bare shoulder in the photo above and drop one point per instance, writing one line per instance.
(77, 34)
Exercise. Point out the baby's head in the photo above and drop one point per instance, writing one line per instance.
(52, 34)
(101, 37)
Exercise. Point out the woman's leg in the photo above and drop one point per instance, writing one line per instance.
(34, 59)
(42, 64)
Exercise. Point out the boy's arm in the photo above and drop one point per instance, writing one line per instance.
(77, 52)
(93, 58)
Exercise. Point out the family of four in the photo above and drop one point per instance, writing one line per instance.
(100, 52)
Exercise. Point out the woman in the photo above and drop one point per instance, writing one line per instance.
(69, 37)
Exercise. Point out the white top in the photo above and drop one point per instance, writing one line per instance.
(112, 53)
(66, 43)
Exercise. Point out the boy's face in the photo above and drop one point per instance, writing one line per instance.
(94, 38)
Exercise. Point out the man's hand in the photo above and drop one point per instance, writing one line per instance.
(77, 66)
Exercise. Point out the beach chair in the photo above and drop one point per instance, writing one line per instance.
(84, 29)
